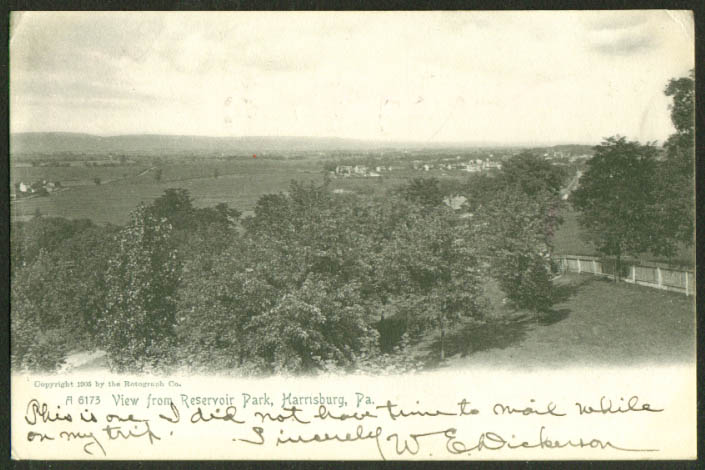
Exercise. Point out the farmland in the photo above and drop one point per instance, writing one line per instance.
(75, 175)
(239, 182)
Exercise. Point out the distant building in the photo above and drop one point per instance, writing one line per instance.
(343, 170)
(40, 188)
(360, 169)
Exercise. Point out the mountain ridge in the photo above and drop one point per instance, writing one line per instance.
(77, 142)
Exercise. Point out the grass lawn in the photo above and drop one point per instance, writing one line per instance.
(598, 323)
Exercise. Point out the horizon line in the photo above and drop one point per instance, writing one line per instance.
(354, 139)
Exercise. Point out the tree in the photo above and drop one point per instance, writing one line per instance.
(176, 207)
(424, 191)
(517, 233)
(429, 271)
(531, 174)
(158, 174)
(220, 294)
(313, 327)
(683, 107)
(516, 214)
(142, 278)
(617, 200)
(676, 188)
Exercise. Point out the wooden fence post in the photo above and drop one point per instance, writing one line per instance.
(579, 268)
(632, 273)
(659, 278)
(594, 267)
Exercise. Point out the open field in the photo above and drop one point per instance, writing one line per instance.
(112, 203)
(597, 323)
(79, 174)
(240, 183)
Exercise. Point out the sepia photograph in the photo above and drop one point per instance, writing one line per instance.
(346, 200)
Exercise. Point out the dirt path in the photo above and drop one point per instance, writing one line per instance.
(145, 171)
(85, 361)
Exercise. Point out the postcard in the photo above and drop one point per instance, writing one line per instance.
(353, 235)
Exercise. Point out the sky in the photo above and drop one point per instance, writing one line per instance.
(501, 77)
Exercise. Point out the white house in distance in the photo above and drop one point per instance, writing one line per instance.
(471, 166)
(357, 170)
(40, 187)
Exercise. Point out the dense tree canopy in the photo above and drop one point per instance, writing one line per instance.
(48, 233)
(58, 288)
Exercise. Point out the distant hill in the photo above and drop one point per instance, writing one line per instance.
(59, 142)
(52, 142)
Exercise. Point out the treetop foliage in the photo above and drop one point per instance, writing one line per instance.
(532, 174)
(683, 107)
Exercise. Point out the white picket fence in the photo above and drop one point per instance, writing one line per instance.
(657, 275)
